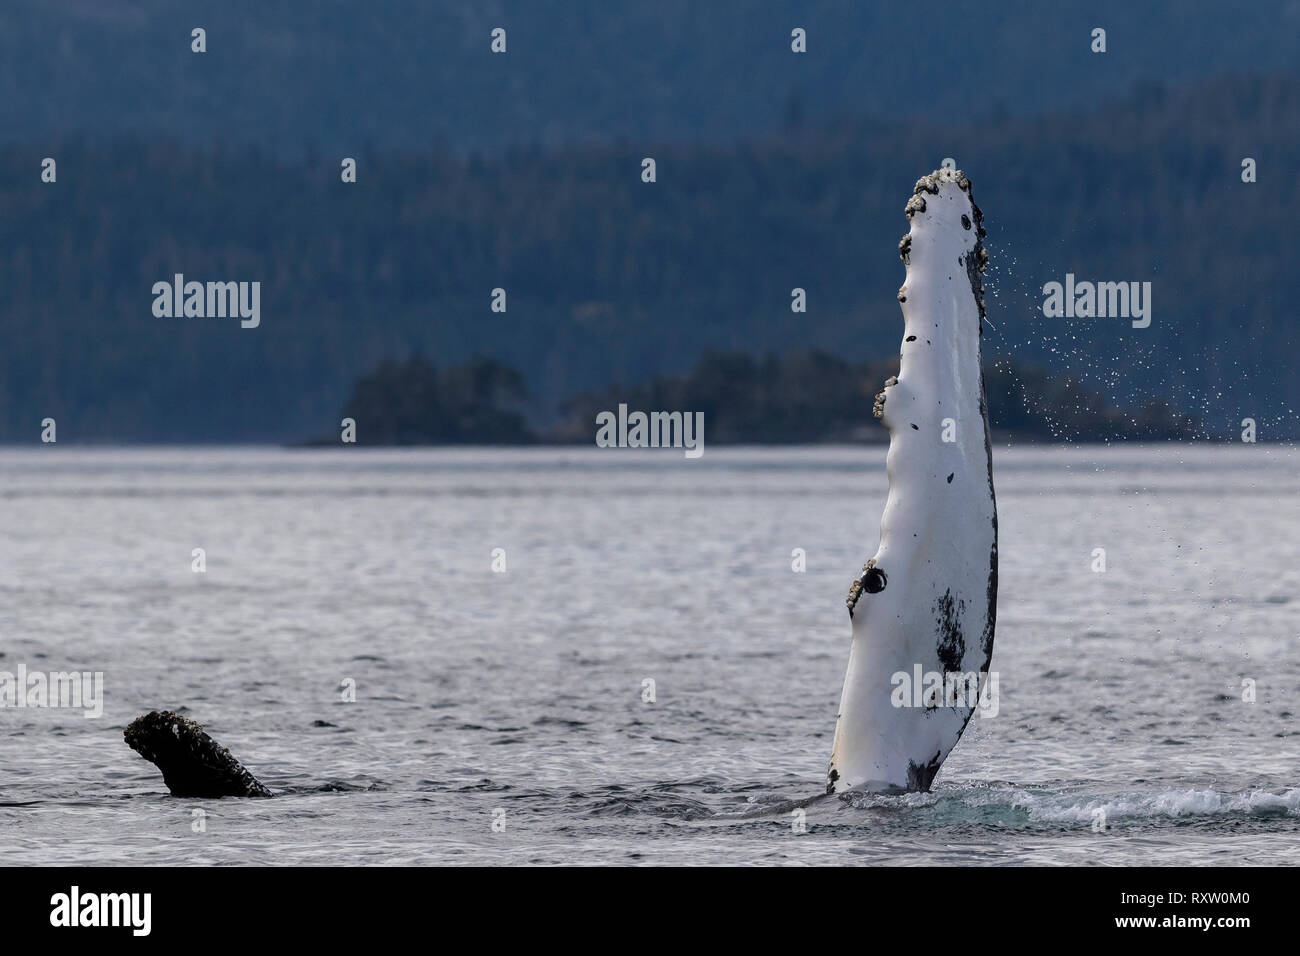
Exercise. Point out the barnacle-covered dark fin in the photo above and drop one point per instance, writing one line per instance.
(192, 763)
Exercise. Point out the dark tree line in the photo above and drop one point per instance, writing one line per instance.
(801, 397)
(414, 403)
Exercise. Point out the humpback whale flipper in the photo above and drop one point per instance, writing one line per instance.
(192, 763)
(925, 604)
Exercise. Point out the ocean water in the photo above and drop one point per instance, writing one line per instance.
(516, 698)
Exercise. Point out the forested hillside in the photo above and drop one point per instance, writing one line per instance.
(612, 281)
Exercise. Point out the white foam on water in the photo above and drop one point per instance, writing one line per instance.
(900, 801)
(1059, 808)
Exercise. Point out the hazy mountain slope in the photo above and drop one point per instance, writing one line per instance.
(411, 73)
(611, 280)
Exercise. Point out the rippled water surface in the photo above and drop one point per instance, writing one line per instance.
(517, 696)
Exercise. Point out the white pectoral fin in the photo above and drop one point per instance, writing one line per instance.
(923, 606)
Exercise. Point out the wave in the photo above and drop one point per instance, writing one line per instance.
(1172, 804)
(1051, 806)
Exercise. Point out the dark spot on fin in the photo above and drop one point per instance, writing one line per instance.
(951, 647)
(919, 777)
(950, 477)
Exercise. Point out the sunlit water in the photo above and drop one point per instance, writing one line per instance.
(518, 696)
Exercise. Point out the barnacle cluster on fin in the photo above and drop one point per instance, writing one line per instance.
(855, 592)
(872, 580)
(856, 588)
(878, 409)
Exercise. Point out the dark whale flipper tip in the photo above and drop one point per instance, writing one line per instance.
(192, 763)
